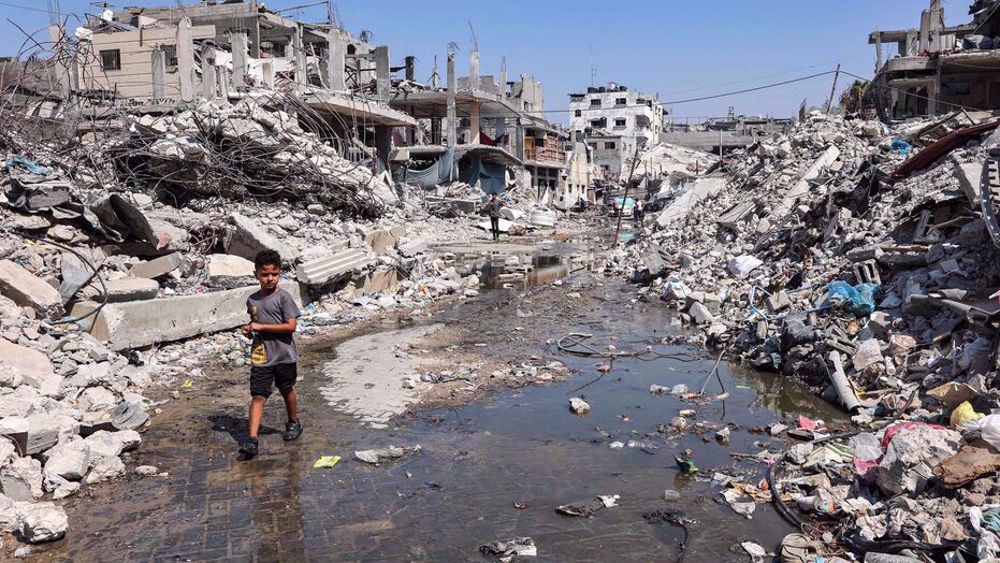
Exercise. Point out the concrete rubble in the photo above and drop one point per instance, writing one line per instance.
(875, 289)
(125, 263)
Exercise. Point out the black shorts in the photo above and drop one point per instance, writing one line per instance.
(264, 378)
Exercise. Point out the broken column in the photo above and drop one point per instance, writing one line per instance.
(298, 50)
(452, 125)
(209, 82)
(159, 69)
(238, 41)
(336, 61)
(383, 82)
(185, 59)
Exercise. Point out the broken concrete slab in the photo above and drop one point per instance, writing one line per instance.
(46, 430)
(341, 260)
(157, 267)
(69, 460)
(228, 272)
(703, 188)
(21, 480)
(141, 323)
(741, 266)
(15, 428)
(41, 522)
(380, 241)
(131, 289)
(831, 154)
(247, 238)
(33, 366)
(28, 290)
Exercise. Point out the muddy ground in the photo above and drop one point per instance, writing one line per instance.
(498, 453)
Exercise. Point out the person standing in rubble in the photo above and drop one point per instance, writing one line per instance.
(273, 355)
(493, 207)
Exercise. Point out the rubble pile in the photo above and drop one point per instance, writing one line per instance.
(816, 254)
(126, 259)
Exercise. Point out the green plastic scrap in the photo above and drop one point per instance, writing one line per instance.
(326, 461)
(687, 466)
(991, 520)
(187, 384)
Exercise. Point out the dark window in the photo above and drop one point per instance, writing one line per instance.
(577, 113)
(620, 122)
(621, 101)
(595, 102)
(609, 145)
(170, 56)
(111, 59)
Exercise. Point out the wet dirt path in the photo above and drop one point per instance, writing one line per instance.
(492, 469)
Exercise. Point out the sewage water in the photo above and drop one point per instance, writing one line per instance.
(490, 470)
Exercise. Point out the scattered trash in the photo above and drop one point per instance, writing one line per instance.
(326, 461)
(187, 384)
(670, 494)
(578, 406)
(507, 550)
(756, 552)
(383, 455)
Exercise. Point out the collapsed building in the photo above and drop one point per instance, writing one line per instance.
(937, 68)
(150, 154)
(861, 261)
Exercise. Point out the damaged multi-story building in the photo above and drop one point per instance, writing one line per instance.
(157, 57)
(936, 69)
(615, 121)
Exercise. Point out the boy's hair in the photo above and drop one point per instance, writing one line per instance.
(266, 258)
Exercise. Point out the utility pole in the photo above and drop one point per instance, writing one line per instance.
(836, 75)
(635, 162)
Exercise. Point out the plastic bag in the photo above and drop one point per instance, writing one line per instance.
(858, 300)
(989, 425)
(964, 413)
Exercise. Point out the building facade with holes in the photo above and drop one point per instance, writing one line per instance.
(616, 110)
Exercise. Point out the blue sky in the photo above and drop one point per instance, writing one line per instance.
(679, 49)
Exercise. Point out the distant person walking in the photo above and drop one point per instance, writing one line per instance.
(639, 211)
(493, 207)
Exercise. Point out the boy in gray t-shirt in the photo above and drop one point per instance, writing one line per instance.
(273, 356)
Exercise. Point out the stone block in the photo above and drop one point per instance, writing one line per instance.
(157, 267)
(21, 480)
(227, 271)
(15, 428)
(34, 367)
(701, 314)
(69, 460)
(41, 522)
(28, 290)
(135, 289)
(247, 238)
(141, 323)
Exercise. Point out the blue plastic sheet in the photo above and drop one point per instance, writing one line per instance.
(437, 173)
(858, 300)
(18, 160)
(491, 176)
(901, 147)
(991, 520)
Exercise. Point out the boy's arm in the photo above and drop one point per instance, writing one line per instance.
(286, 327)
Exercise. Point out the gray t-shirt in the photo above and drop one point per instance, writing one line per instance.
(270, 348)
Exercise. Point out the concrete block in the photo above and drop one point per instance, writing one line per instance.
(340, 261)
(380, 241)
(228, 272)
(34, 367)
(136, 289)
(247, 238)
(28, 290)
(152, 269)
(22, 479)
(41, 522)
(45, 430)
(15, 428)
(142, 323)
(69, 460)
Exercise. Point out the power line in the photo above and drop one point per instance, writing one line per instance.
(745, 90)
(770, 75)
(28, 8)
